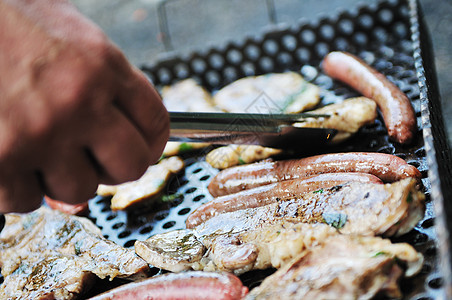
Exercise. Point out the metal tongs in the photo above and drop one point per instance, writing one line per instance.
(270, 130)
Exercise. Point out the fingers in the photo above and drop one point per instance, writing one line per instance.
(141, 103)
(71, 176)
(119, 148)
(20, 192)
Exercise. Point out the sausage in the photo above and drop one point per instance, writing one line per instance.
(396, 108)
(387, 167)
(271, 193)
(195, 285)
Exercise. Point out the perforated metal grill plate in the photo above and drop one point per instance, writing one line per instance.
(379, 34)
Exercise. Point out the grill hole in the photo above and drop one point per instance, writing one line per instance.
(366, 21)
(198, 65)
(118, 225)
(198, 198)
(124, 234)
(234, 56)
(436, 283)
(161, 215)
(327, 32)
(386, 16)
(103, 201)
(308, 37)
(414, 163)
(146, 229)
(204, 178)
(346, 26)
(130, 243)
(197, 170)
(184, 211)
(169, 224)
(303, 55)
(428, 223)
(190, 190)
(252, 52)
(105, 235)
(112, 216)
(289, 42)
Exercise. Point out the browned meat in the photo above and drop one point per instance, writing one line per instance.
(345, 267)
(387, 167)
(184, 286)
(47, 254)
(271, 193)
(398, 113)
(258, 238)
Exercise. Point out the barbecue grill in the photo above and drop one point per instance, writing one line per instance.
(390, 36)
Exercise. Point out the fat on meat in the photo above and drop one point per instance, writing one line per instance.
(353, 267)
(271, 235)
(46, 254)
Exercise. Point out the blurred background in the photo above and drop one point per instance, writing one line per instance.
(197, 24)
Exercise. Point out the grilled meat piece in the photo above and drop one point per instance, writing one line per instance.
(232, 155)
(184, 286)
(47, 254)
(149, 186)
(270, 193)
(258, 238)
(350, 266)
(187, 95)
(271, 93)
(387, 167)
(347, 117)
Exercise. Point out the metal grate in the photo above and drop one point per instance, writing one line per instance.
(381, 35)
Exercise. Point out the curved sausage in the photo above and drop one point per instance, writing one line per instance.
(194, 285)
(396, 108)
(387, 167)
(271, 193)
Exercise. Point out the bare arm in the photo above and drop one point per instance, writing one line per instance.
(73, 112)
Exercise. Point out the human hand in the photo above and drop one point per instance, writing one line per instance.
(73, 112)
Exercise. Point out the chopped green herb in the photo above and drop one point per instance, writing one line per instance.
(318, 191)
(170, 198)
(379, 253)
(185, 147)
(77, 248)
(335, 219)
(409, 199)
(241, 161)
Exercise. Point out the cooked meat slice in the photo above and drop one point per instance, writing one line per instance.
(238, 250)
(187, 285)
(284, 92)
(56, 277)
(232, 155)
(271, 193)
(177, 148)
(257, 238)
(349, 266)
(50, 253)
(150, 185)
(387, 167)
(187, 95)
(347, 117)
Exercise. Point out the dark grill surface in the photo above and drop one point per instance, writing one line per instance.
(380, 34)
